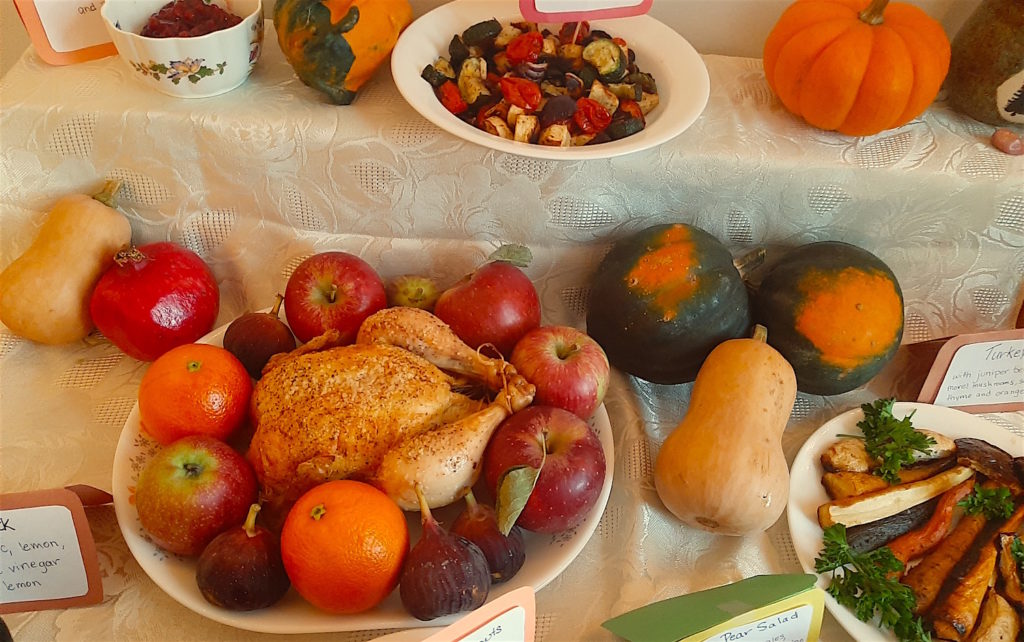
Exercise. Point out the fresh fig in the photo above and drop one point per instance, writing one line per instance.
(505, 554)
(254, 337)
(414, 291)
(444, 573)
(241, 569)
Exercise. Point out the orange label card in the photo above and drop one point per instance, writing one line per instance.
(47, 554)
(66, 31)
(978, 373)
(509, 618)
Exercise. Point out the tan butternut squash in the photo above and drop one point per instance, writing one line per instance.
(722, 469)
(44, 293)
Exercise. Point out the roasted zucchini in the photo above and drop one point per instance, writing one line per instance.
(608, 59)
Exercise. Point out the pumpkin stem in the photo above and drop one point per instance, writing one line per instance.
(108, 195)
(872, 14)
(760, 333)
(749, 262)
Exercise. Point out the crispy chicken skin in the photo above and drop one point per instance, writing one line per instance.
(327, 412)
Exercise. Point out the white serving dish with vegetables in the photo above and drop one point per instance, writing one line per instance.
(682, 83)
(809, 500)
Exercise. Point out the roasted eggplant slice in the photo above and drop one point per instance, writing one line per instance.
(481, 32)
(879, 504)
(991, 461)
(868, 537)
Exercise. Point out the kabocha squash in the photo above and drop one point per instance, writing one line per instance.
(723, 469)
(835, 311)
(663, 298)
(334, 46)
(856, 66)
(44, 293)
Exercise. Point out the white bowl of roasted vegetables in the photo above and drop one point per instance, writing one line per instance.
(562, 91)
(912, 516)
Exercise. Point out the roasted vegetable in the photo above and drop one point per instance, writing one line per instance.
(868, 537)
(919, 541)
(889, 501)
(926, 578)
(995, 463)
(998, 621)
(851, 455)
(839, 485)
(954, 617)
(1010, 564)
(481, 32)
(608, 58)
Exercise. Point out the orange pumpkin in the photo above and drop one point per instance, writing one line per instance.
(856, 66)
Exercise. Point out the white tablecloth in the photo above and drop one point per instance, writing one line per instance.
(259, 178)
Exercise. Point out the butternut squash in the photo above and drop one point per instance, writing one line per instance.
(44, 293)
(722, 469)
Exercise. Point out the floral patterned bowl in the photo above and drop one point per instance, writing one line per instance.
(196, 67)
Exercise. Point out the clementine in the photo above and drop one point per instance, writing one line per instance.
(343, 545)
(194, 389)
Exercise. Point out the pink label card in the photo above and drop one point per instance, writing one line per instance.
(509, 618)
(978, 373)
(47, 554)
(578, 10)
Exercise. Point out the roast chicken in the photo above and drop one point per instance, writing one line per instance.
(391, 410)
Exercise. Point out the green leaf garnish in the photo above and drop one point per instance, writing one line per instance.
(1017, 550)
(862, 583)
(890, 440)
(994, 503)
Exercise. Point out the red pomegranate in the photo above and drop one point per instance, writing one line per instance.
(153, 298)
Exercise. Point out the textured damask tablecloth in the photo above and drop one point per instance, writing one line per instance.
(259, 178)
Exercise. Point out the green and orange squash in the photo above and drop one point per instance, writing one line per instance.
(835, 312)
(663, 298)
(858, 67)
(334, 46)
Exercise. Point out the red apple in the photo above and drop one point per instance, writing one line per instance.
(496, 304)
(563, 452)
(191, 491)
(568, 367)
(332, 290)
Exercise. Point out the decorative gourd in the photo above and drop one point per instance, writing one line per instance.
(44, 293)
(334, 46)
(986, 66)
(855, 66)
(835, 311)
(663, 298)
(723, 469)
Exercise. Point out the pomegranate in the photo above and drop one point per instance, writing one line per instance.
(153, 298)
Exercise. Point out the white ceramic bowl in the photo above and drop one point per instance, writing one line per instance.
(683, 82)
(195, 67)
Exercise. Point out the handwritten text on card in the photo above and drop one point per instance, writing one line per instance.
(789, 626)
(990, 372)
(40, 558)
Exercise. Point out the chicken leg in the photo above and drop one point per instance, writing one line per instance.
(422, 333)
(445, 462)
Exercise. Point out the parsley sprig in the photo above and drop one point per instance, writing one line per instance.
(892, 441)
(861, 582)
(1017, 550)
(992, 502)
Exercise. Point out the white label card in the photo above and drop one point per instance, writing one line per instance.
(793, 625)
(990, 372)
(72, 24)
(40, 557)
(564, 6)
(510, 626)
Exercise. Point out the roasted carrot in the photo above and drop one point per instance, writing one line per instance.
(919, 541)
(926, 579)
(954, 617)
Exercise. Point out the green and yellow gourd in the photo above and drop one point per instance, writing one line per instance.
(663, 298)
(334, 46)
(835, 312)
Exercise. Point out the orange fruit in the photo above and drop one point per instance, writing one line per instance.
(343, 545)
(194, 389)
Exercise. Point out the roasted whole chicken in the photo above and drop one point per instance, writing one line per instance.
(389, 409)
